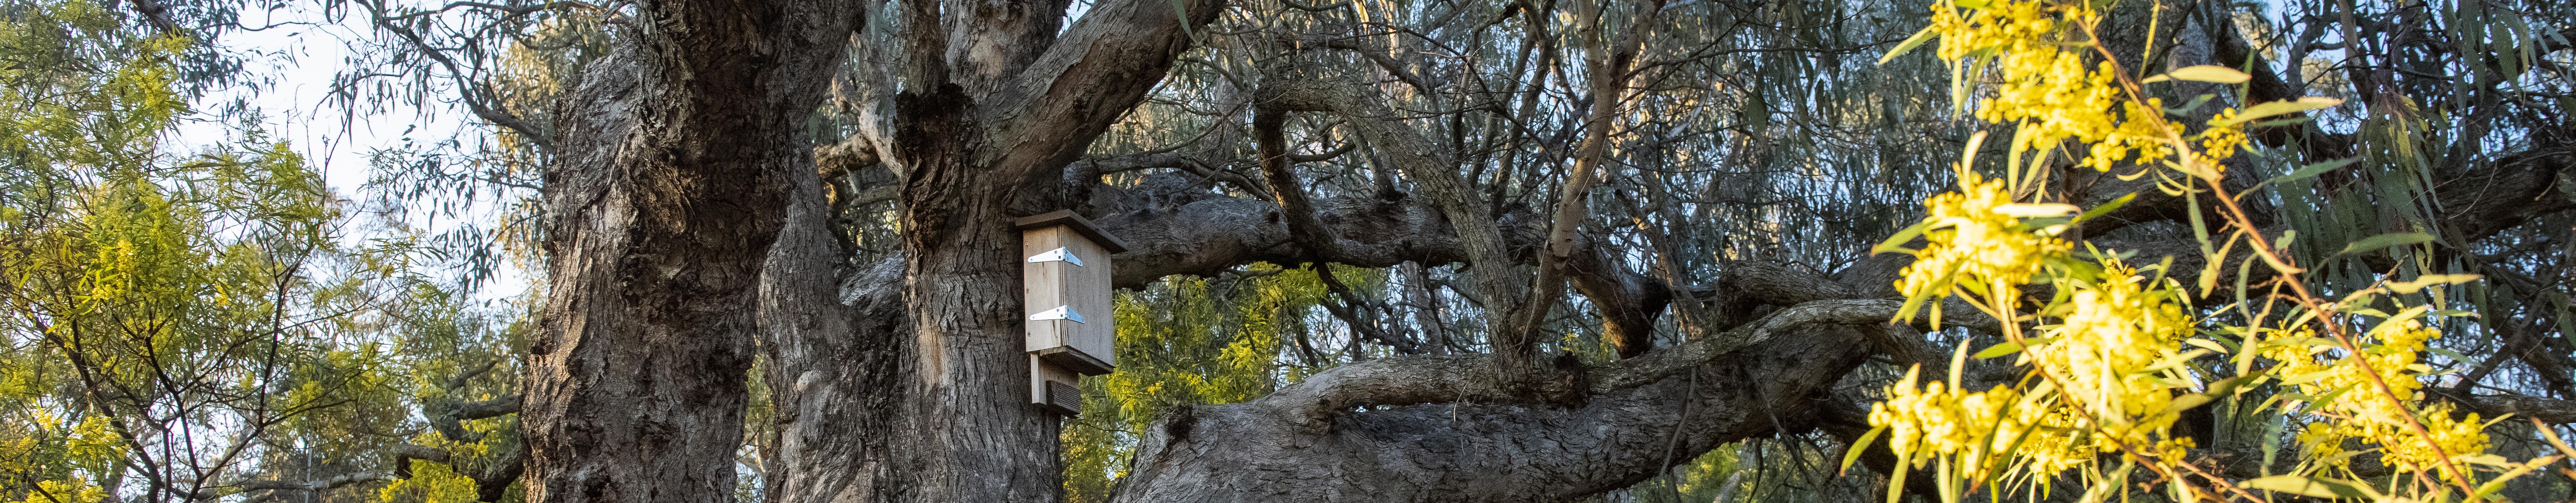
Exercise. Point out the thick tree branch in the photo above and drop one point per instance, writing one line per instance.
(1268, 450)
(1176, 227)
(1290, 194)
(2547, 410)
(671, 180)
(1096, 71)
(2490, 197)
(276, 487)
(1446, 379)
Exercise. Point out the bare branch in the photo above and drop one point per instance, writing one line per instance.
(1445, 379)
(275, 487)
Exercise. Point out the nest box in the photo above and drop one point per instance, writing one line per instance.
(1064, 285)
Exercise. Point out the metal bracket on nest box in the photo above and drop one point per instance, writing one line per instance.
(1064, 285)
(1059, 313)
(1060, 254)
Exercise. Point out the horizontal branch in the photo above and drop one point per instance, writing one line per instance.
(1463, 451)
(487, 409)
(2547, 410)
(276, 487)
(1174, 225)
(1446, 379)
(449, 419)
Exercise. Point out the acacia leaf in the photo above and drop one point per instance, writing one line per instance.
(2202, 73)
(2277, 108)
(2418, 284)
(1853, 453)
(1908, 45)
(2106, 208)
(2006, 348)
(1896, 243)
(2306, 486)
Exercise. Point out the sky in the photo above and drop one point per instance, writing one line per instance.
(294, 62)
(297, 59)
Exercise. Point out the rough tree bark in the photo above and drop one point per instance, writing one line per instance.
(670, 185)
(691, 231)
(916, 389)
(1406, 429)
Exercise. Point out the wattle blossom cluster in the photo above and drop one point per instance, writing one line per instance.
(1977, 428)
(2105, 350)
(2046, 84)
(1973, 235)
(2360, 413)
(2109, 352)
(2223, 138)
(2100, 356)
(85, 444)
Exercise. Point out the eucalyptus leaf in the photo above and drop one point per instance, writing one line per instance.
(2312, 170)
(2385, 241)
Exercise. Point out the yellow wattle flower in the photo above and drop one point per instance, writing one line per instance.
(1971, 235)
(2108, 354)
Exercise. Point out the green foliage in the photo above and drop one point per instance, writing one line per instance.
(171, 324)
(1186, 341)
(1698, 480)
(480, 185)
(446, 352)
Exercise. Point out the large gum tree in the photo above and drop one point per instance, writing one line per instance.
(828, 186)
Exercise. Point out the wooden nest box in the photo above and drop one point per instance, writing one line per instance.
(1064, 284)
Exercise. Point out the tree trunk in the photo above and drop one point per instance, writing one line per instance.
(670, 187)
(969, 431)
(690, 232)
(914, 385)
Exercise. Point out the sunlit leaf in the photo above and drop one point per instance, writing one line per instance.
(2418, 284)
(1896, 243)
(1853, 453)
(2034, 210)
(2306, 486)
(2107, 208)
(2202, 73)
(2006, 348)
(2277, 108)
(1908, 45)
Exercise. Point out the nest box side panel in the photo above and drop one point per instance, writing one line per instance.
(1044, 286)
(1091, 295)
